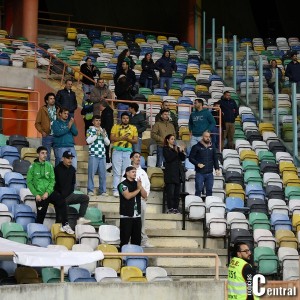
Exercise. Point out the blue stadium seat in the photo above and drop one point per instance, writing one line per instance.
(140, 262)
(80, 275)
(39, 234)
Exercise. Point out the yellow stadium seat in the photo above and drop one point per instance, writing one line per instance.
(286, 238)
(77, 74)
(174, 93)
(30, 62)
(265, 127)
(179, 47)
(287, 166)
(201, 88)
(156, 177)
(193, 71)
(290, 179)
(296, 222)
(62, 238)
(79, 53)
(139, 40)
(205, 67)
(132, 274)
(161, 38)
(154, 98)
(249, 155)
(99, 46)
(110, 262)
(26, 275)
(29, 154)
(108, 50)
(57, 46)
(184, 133)
(121, 43)
(71, 33)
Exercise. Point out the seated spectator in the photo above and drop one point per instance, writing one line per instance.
(97, 139)
(65, 179)
(148, 77)
(40, 181)
(64, 130)
(125, 54)
(137, 119)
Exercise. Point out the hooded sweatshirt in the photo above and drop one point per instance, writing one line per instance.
(200, 121)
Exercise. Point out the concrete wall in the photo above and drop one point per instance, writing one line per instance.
(21, 78)
(190, 290)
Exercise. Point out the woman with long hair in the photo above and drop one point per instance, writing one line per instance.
(125, 55)
(173, 173)
(148, 77)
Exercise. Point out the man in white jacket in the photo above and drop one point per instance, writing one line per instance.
(97, 139)
(140, 173)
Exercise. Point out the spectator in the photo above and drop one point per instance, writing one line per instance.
(130, 191)
(270, 76)
(64, 130)
(122, 136)
(107, 122)
(99, 93)
(67, 98)
(125, 55)
(87, 113)
(148, 77)
(137, 119)
(166, 67)
(40, 181)
(293, 70)
(172, 117)
(200, 120)
(216, 111)
(230, 112)
(88, 81)
(130, 75)
(160, 130)
(142, 175)
(173, 174)
(43, 122)
(65, 179)
(97, 138)
(204, 157)
(241, 273)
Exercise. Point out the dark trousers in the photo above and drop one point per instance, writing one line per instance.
(130, 229)
(59, 204)
(81, 199)
(107, 154)
(229, 134)
(172, 193)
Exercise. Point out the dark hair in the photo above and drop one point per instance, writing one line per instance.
(46, 98)
(98, 117)
(226, 92)
(122, 55)
(163, 111)
(134, 105)
(103, 103)
(124, 114)
(217, 103)
(164, 54)
(68, 79)
(62, 109)
(237, 247)
(133, 153)
(125, 61)
(88, 58)
(199, 100)
(41, 148)
(166, 143)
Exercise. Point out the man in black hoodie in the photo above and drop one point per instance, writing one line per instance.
(230, 111)
(65, 179)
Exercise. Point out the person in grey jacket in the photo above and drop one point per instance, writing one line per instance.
(137, 118)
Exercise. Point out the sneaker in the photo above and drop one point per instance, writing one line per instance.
(91, 194)
(116, 194)
(83, 220)
(170, 211)
(67, 229)
(147, 245)
(104, 195)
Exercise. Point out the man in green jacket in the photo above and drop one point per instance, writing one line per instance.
(40, 181)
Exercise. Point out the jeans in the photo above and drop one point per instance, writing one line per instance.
(47, 142)
(149, 83)
(163, 81)
(86, 89)
(81, 199)
(120, 161)
(194, 140)
(137, 147)
(160, 157)
(130, 229)
(121, 108)
(97, 163)
(172, 193)
(204, 179)
(59, 153)
(215, 137)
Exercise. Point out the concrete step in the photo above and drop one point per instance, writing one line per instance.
(178, 273)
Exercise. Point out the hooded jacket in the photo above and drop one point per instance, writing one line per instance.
(293, 71)
(63, 135)
(40, 178)
(167, 64)
(200, 121)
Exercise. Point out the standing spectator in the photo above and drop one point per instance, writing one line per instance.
(204, 157)
(99, 93)
(97, 139)
(64, 130)
(200, 120)
(130, 75)
(142, 175)
(137, 119)
(40, 181)
(67, 98)
(87, 112)
(172, 117)
(88, 81)
(166, 67)
(148, 77)
(107, 122)
(230, 112)
(160, 130)
(130, 192)
(125, 55)
(293, 71)
(241, 273)
(122, 136)
(173, 175)
(43, 122)
(65, 179)
(270, 76)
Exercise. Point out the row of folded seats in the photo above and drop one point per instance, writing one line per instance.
(257, 199)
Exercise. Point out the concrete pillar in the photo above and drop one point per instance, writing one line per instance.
(30, 19)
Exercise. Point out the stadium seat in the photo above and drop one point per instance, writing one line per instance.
(95, 215)
(39, 235)
(77, 274)
(289, 259)
(266, 260)
(5, 215)
(110, 262)
(109, 234)
(286, 238)
(23, 215)
(154, 274)
(140, 262)
(264, 238)
(14, 232)
(25, 275)
(237, 220)
(132, 274)
(62, 238)
(50, 275)
(105, 274)
(86, 234)
(85, 248)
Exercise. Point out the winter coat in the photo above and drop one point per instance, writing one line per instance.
(148, 72)
(66, 99)
(167, 64)
(160, 130)
(89, 72)
(98, 94)
(229, 109)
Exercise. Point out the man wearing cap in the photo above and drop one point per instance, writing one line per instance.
(65, 179)
(200, 120)
(130, 192)
(40, 181)
(122, 136)
(293, 70)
